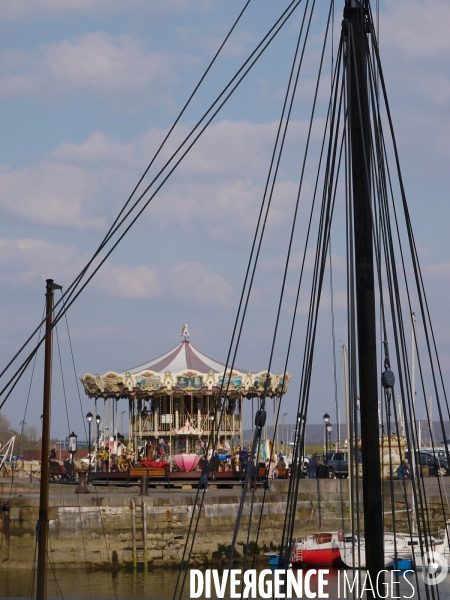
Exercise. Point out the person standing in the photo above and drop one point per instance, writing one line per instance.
(270, 472)
(312, 467)
(253, 474)
(204, 476)
(323, 471)
(403, 471)
(243, 459)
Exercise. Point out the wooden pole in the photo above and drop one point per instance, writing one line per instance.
(355, 28)
(144, 529)
(42, 528)
(133, 519)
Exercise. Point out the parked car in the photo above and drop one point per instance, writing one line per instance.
(338, 464)
(438, 466)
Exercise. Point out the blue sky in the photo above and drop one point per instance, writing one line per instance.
(87, 92)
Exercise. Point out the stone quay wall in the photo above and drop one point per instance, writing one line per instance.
(96, 528)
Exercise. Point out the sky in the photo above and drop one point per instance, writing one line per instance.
(89, 89)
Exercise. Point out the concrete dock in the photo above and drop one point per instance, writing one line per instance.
(97, 528)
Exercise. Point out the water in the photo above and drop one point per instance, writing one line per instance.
(159, 584)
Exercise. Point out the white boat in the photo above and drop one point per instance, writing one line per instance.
(353, 554)
(337, 548)
(397, 550)
(439, 548)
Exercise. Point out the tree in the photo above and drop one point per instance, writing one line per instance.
(26, 439)
(5, 430)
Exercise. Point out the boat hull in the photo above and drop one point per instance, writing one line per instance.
(320, 557)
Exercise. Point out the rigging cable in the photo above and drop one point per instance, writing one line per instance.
(422, 491)
(328, 199)
(239, 335)
(264, 44)
(262, 403)
(289, 252)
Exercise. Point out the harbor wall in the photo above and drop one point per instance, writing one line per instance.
(97, 528)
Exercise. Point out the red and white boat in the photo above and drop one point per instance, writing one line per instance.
(320, 550)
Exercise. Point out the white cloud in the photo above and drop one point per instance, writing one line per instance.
(297, 257)
(121, 281)
(52, 194)
(200, 285)
(113, 69)
(414, 44)
(217, 190)
(238, 147)
(438, 272)
(97, 149)
(423, 137)
(237, 45)
(24, 260)
(418, 28)
(27, 9)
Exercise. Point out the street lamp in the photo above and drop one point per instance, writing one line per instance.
(301, 420)
(329, 430)
(282, 427)
(121, 422)
(97, 435)
(73, 449)
(89, 418)
(97, 420)
(326, 420)
(212, 418)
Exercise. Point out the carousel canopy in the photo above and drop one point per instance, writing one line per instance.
(184, 357)
(183, 370)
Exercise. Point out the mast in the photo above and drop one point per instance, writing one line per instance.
(42, 525)
(356, 32)
(347, 418)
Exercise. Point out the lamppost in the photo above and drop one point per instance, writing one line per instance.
(329, 430)
(89, 418)
(97, 435)
(326, 420)
(282, 427)
(301, 420)
(212, 418)
(72, 449)
(121, 422)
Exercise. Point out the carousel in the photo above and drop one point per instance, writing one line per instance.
(174, 402)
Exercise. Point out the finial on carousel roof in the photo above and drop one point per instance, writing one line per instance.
(185, 331)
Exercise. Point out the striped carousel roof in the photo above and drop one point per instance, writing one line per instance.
(184, 357)
(184, 369)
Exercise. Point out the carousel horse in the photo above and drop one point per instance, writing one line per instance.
(129, 452)
(151, 451)
(123, 463)
(223, 459)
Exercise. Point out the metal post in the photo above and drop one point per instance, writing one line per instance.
(413, 396)
(359, 124)
(282, 428)
(304, 436)
(89, 464)
(144, 486)
(42, 525)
